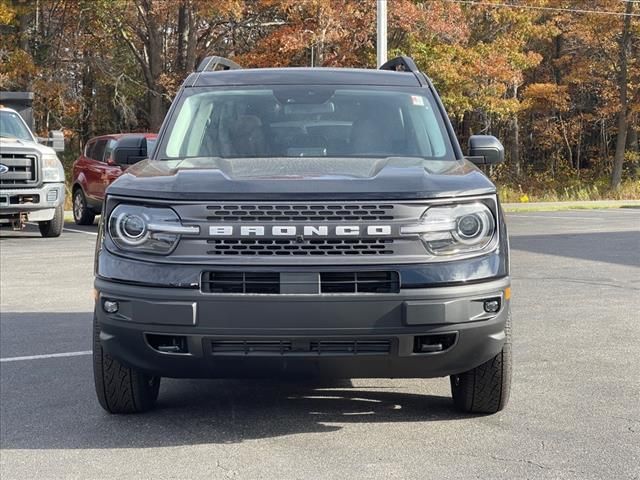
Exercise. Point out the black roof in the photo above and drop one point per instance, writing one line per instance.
(302, 76)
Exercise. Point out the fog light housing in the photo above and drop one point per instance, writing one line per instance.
(492, 305)
(110, 306)
(52, 195)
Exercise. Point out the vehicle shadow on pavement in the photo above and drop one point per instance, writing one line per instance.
(594, 246)
(51, 404)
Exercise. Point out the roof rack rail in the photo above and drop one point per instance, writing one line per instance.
(400, 64)
(211, 64)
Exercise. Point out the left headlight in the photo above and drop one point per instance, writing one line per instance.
(52, 170)
(147, 229)
(452, 230)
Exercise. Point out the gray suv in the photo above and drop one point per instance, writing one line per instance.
(304, 222)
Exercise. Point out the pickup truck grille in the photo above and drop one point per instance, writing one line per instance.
(22, 170)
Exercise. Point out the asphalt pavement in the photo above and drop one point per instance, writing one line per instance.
(574, 411)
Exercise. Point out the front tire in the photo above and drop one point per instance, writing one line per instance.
(486, 388)
(81, 213)
(121, 389)
(53, 227)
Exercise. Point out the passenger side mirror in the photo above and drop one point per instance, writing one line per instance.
(485, 150)
(129, 150)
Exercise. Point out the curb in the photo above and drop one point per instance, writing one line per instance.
(555, 206)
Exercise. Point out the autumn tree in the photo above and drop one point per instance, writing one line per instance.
(557, 80)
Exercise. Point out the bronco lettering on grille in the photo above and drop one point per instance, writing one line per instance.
(296, 230)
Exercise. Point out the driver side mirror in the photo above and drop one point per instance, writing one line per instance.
(55, 140)
(485, 150)
(129, 150)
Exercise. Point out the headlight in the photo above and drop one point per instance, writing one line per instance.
(147, 229)
(52, 170)
(456, 229)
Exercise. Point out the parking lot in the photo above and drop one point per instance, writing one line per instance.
(574, 409)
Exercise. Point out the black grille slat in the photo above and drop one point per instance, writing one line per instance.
(241, 282)
(248, 347)
(288, 247)
(353, 347)
(305, 347)
(223, 282)
(293, 213)
(22, 170)
(359, 282)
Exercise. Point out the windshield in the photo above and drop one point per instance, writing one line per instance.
(12, 126)
(309, 121)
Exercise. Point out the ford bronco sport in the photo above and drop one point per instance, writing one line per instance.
(304, 222)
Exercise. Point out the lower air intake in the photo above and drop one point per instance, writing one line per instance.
(241, 282)
(351, 347)
(248, 347)
(300, 347)
(359, 282)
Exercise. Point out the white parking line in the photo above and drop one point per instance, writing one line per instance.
(50, 355)
(80, 231)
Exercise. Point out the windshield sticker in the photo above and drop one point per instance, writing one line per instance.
(417, 100)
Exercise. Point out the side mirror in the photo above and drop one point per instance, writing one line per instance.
(129, 150)
(56, 140)
(485, 150)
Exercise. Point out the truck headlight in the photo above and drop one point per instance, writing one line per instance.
(52, 170)
(455, 229)
(147, 229)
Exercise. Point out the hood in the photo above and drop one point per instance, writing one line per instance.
(311, 178)
(16, 145)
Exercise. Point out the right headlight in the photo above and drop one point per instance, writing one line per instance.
(136, 228)
(451, 230)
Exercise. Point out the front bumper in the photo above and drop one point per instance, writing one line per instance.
(340, 335)
(38, 204)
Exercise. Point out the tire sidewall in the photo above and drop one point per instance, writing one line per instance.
(78, 194)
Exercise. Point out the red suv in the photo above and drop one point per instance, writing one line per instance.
(103, 160)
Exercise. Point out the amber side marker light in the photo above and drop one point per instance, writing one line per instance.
(507, 293)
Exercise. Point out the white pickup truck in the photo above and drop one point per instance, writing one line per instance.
(32, 187)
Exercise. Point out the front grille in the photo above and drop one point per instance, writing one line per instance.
(22, 170)
(241, 282)
(299, 233)
(292, 247)
(359, 282)
(278, 212)
(225, 282)
(300, 347)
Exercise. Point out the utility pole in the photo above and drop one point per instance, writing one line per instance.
(382, 32)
